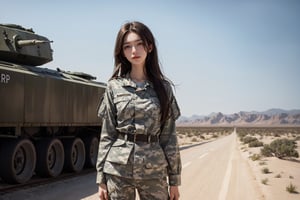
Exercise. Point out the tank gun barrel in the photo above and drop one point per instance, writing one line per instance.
(22, 43)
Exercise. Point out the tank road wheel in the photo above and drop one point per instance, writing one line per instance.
(50, 157)
(74, 154)
(91, 149)
(18, 160)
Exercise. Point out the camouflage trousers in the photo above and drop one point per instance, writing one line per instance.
(120, 188)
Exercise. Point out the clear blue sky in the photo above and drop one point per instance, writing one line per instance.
(224, 57)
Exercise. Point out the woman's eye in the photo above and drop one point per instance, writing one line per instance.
(126, 47)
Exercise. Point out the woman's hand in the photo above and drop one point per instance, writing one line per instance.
(174, 193)
(103, 192)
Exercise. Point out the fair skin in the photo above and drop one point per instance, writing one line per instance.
(136, 54)
(103, 195)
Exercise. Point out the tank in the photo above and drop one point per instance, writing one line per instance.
(48, 118)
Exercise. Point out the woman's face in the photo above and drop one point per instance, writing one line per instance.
(134, 49)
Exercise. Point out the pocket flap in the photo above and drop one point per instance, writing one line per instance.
(119, 152)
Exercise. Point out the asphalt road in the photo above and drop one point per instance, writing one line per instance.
(211, 171)
(216, 171)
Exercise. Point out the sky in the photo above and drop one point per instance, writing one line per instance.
(223, 56)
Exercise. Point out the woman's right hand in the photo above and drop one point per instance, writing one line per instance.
(103, 192)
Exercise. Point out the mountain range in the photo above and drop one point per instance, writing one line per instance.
(271, 117)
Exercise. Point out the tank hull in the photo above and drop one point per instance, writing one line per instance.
(31, 99)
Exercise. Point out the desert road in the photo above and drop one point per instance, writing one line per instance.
(211, 171)
(216, 171)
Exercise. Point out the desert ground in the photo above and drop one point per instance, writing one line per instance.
(273, 176)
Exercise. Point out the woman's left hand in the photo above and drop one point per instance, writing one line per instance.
(174, 193)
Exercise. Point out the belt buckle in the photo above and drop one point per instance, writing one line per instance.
(149, 138)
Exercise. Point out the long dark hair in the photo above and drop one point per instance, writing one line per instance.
(153, 71)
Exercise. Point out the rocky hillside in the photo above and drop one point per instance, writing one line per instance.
(272, 117)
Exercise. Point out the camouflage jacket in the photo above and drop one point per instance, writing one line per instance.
(129, 109)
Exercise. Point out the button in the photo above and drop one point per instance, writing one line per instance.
(148, 166)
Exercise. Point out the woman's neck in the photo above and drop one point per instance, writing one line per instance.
(137, 74)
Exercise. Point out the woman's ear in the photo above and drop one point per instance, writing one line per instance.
(150, 48)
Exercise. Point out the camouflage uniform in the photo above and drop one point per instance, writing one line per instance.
(128, 109)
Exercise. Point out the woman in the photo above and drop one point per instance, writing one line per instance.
(138, 148)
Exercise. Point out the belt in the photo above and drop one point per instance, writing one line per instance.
(138, 137)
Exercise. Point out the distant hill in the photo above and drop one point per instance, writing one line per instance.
(271, 117)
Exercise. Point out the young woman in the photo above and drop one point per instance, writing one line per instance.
(138, 149)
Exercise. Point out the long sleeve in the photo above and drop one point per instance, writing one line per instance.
(169, 143)
(107, 112)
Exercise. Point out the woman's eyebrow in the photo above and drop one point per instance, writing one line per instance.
(138, 40)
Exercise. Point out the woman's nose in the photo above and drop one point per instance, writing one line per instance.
(133, 49)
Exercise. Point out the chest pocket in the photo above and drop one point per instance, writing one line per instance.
(154, 108)
(121, 102)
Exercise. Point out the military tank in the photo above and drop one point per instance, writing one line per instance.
(48, 117)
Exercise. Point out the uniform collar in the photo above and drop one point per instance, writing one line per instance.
(127, 81)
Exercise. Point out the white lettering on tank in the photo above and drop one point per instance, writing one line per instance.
(4, 78)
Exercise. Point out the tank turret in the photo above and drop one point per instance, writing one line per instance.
(23, 46)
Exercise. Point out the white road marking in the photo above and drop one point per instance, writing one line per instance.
(226, 180)
(203, 155)
(186, 164)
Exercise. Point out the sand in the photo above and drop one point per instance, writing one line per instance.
(282, 173)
